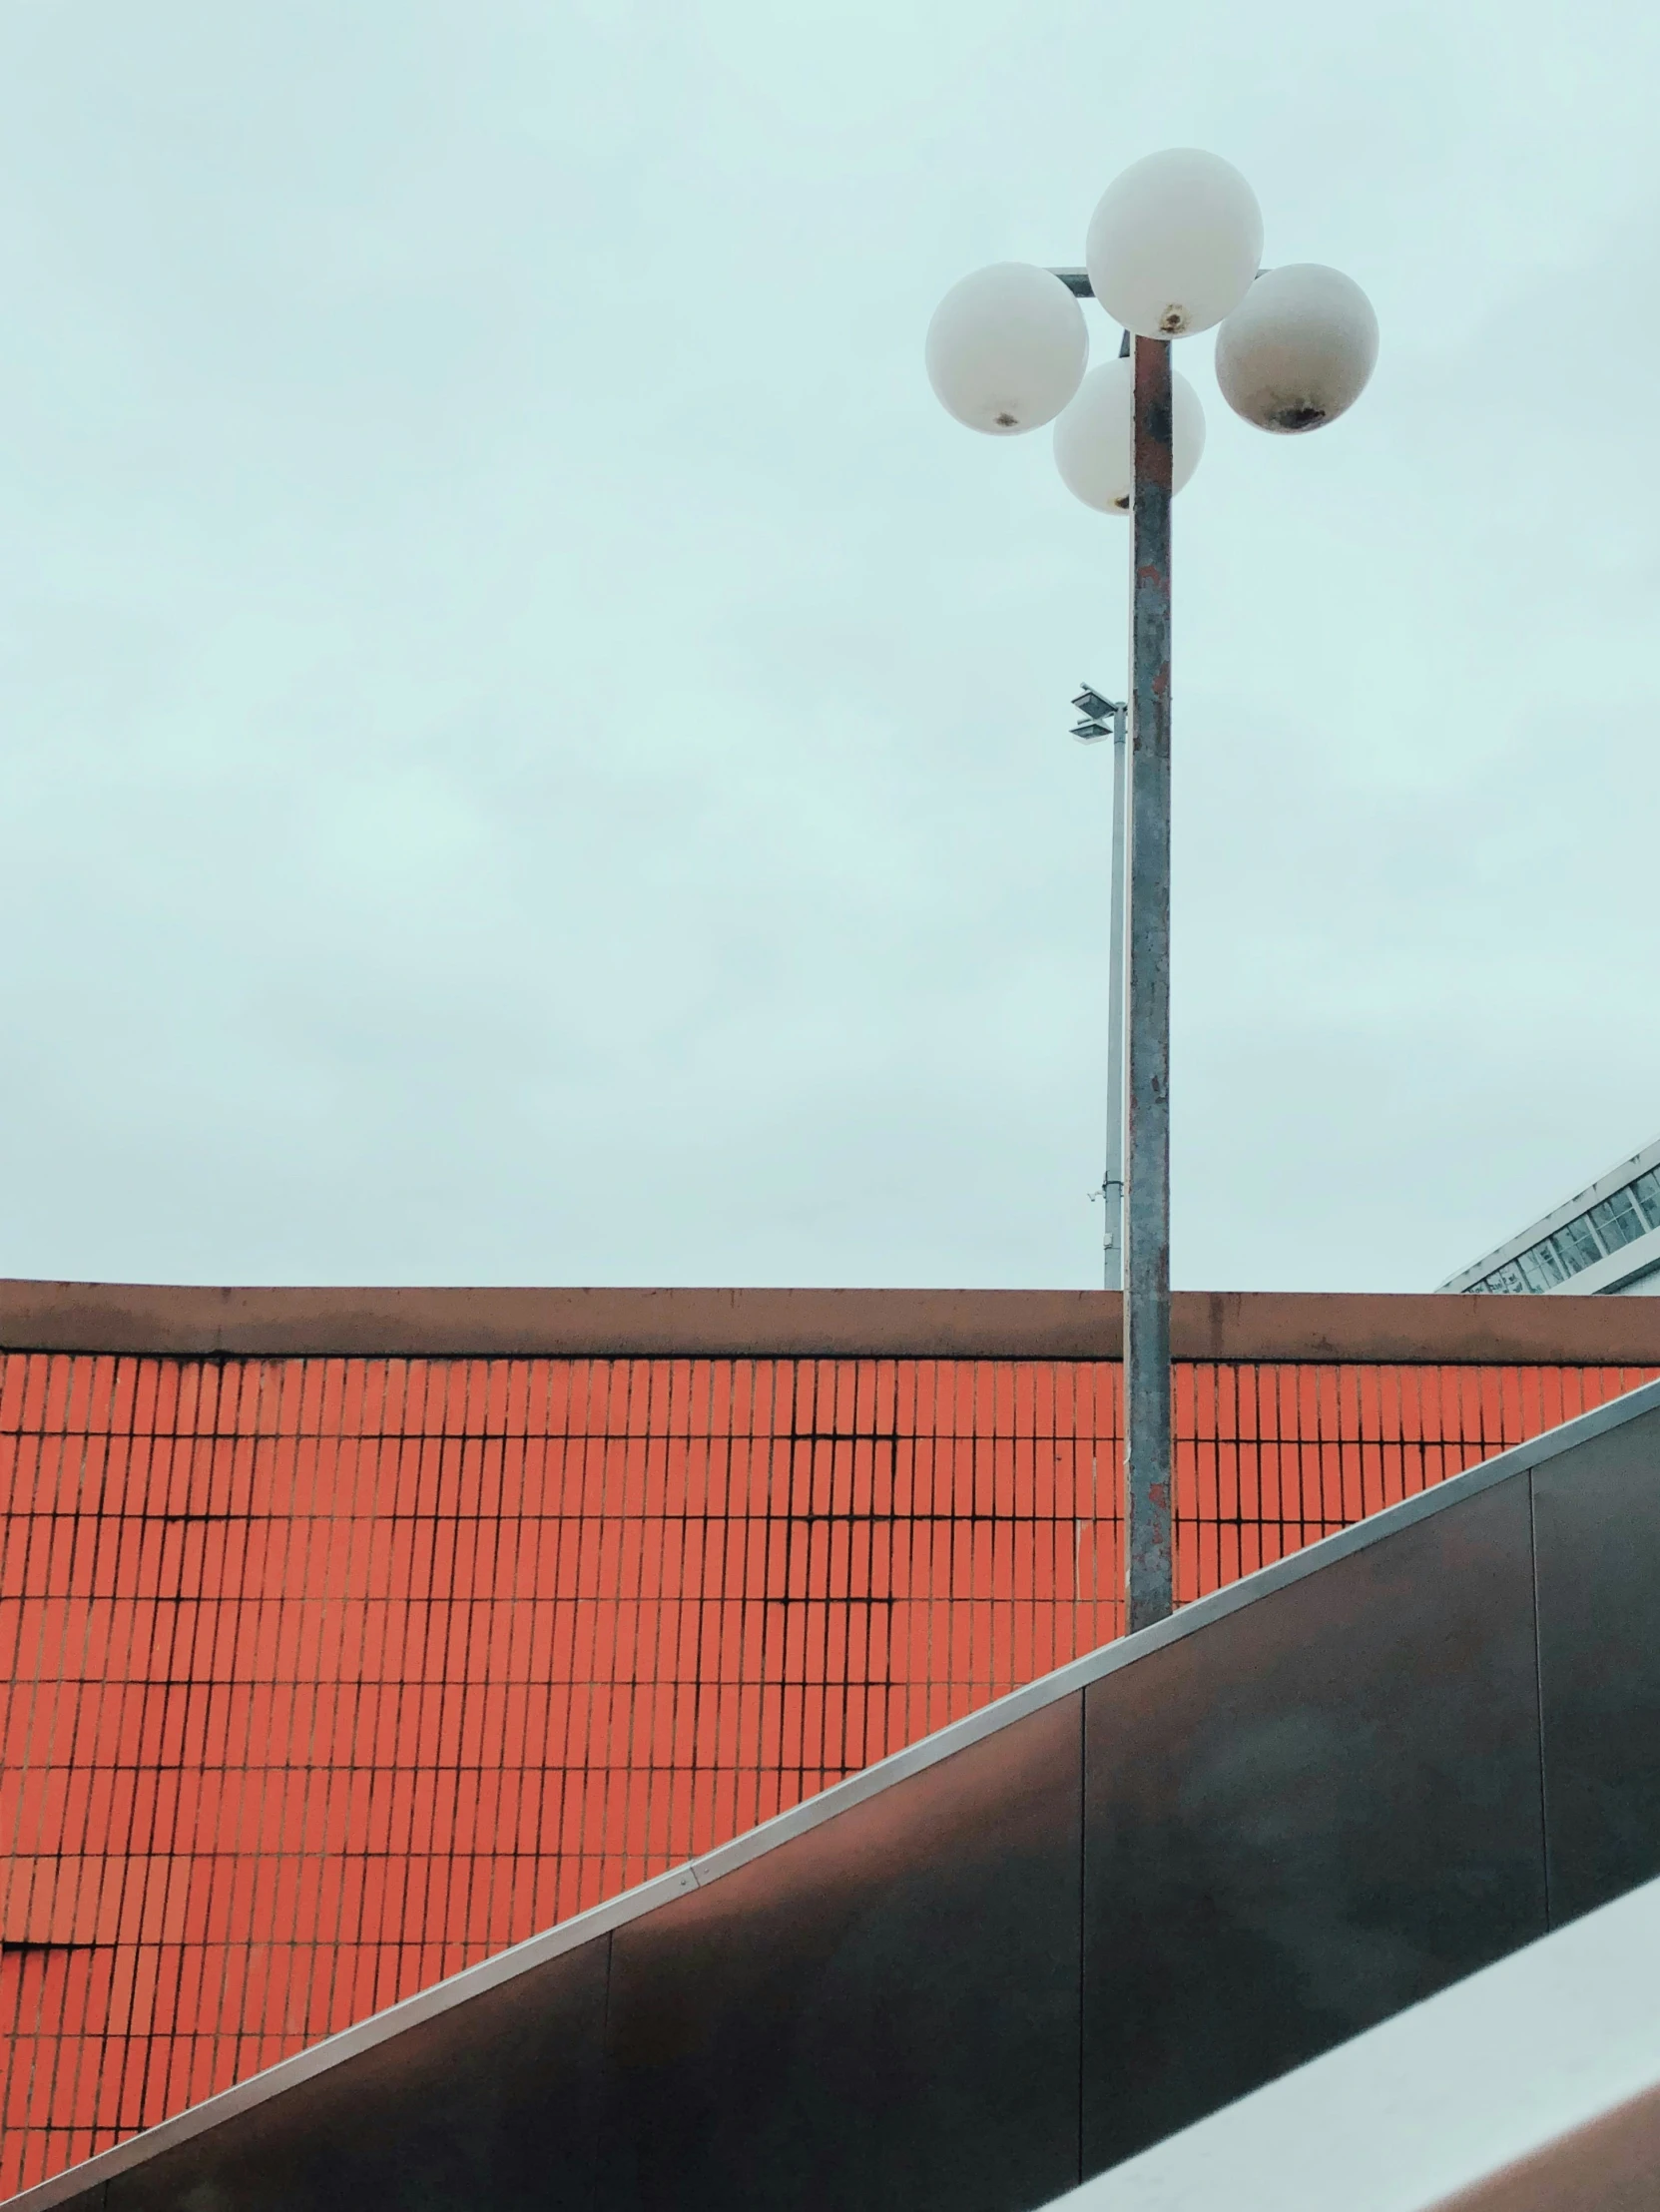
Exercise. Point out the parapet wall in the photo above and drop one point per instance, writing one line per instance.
(350, 1636)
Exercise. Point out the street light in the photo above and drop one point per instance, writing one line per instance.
(1007, 349)
(1095, 437)
(1103, 718)
(1297, 350)
(1174, 248)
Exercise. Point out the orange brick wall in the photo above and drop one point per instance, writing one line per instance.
(323, 1678)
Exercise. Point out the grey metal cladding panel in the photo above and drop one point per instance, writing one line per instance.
(1307, 1816)
(884, 2010)
(491, 2104)
(1598, 1517)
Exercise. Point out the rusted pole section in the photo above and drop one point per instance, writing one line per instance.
(1147, 1453)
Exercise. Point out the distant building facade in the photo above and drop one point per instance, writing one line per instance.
(1604, 1240)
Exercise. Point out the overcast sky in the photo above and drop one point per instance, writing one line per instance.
(532, 751)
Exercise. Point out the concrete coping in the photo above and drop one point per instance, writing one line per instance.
(185, 1321)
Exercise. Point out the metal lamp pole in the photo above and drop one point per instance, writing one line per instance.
(1139, 1148)
(1104, 718)
(1147, 1452)
(1136, 1186)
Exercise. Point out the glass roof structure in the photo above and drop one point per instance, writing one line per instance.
(1605, 1239)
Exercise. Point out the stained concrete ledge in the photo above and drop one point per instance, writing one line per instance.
(184, 1320)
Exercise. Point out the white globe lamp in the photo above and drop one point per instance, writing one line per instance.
(1299, 348)
(1007, 348)
(1174, 244)
(1095, 437)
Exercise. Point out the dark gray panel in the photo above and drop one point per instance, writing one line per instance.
(1597, 1514)
(1307, 1816)
(882, 2011)
(490, 2107)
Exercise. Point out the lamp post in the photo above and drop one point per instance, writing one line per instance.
(1105, 718)
(1174, 248)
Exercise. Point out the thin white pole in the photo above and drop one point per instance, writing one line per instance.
(1112, 1187)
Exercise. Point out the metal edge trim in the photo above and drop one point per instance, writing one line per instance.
(840, 1797)
(348, 2043)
